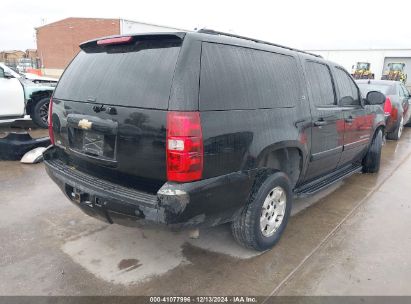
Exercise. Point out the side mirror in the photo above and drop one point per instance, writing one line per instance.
(346, 101)
(375, 98)
(8, 75)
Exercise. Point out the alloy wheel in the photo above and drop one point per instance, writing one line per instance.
(273, 211)
(44, 112)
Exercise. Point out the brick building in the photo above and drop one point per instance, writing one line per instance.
(57, 42)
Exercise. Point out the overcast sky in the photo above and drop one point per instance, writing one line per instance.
(314, 24)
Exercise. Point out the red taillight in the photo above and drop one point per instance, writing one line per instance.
(184, 146)
(387, 106)
(50, 121)
(116, 40)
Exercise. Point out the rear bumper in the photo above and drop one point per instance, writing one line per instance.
(15, 145)
(204, 203)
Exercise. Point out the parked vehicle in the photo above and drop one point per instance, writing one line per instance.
(20, 97)
(24, 64)
(50, 81)
(395, 71)
(397, 104)
(205, 128)
(41, 79)
(363, 71)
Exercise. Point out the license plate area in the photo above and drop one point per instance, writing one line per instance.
(92, 143)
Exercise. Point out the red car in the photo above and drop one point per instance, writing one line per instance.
(396, 106)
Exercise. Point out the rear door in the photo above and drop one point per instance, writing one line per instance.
(11, 97)
(327, 127)
(358, 120)
(110, 108)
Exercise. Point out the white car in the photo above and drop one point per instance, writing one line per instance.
(30, 76)
(41, 79)
(20, 96)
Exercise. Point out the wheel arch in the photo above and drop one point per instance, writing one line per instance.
(288, 157)
(380, 126)
(36, 97)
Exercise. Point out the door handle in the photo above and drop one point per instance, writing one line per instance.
(319, 123)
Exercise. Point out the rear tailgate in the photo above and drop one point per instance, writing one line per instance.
(110, 109)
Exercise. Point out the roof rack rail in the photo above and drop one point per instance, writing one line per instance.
(213, 32)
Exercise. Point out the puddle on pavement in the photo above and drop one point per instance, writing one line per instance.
(118, 247)
(124, 255)
(128, 264)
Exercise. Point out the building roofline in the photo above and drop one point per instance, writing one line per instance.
(88, 18)
(11, 51)
(154, 24)
(119, 19)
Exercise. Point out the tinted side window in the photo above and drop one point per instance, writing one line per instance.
(1, 73)
(241, 78)
(321, 86)
(348, 90)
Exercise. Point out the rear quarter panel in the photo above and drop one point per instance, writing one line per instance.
(238, 140)
(391, 123)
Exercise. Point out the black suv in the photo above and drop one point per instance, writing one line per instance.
(204, 128)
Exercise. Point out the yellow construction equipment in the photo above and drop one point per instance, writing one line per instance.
(395, 72)
(362, 71)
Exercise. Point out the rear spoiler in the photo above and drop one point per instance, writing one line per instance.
(126, 39)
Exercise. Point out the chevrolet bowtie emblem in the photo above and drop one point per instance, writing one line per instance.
(85, 124)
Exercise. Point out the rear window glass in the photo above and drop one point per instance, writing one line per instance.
(241, 78)
(137, 75)
(383, 88)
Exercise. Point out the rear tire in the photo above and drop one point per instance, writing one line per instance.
(40, 112)
(262, 222)
(372, 160)
(396, 134)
